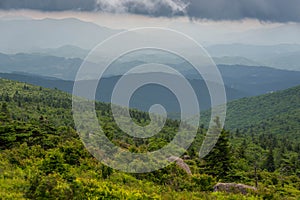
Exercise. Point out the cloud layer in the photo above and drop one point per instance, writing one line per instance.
(264, 10)
(146, 7)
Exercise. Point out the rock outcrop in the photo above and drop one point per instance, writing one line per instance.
(234, 188)
(180, 163)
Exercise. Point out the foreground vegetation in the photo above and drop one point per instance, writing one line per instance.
(42, 157)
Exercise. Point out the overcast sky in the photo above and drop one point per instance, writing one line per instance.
(262, 22)
(262, 10)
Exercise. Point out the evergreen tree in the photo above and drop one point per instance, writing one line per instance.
(269, 163)
(4, 112)
(218, 161)
(4, 108)
(241, 151)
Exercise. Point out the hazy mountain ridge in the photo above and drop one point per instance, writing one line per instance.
(29, 34)
(142, 99)
(45, 65)
(240, 81)
(281, 56)
(66, 51)
(46, 35)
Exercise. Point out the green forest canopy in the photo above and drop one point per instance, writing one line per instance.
(42, 156)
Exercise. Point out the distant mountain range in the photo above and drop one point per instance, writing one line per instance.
(57, 68)
(73, 38)
(38, 64)
(66, 51)
(282, 56)
(142, 99)
(258, 80)
(25, 35)
(67, 67)
(240, 81)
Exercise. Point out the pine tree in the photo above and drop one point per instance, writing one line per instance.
(218, 161)
(269, 163)
(4, 112)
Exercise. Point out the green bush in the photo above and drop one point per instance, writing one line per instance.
(203, 182)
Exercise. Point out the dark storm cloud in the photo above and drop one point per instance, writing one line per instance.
(264, 10)
(49, 5)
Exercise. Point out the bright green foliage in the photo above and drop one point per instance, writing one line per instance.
(42, 157)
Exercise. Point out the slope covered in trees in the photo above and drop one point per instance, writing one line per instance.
(42, 156)
(276, 113)
(252, 111)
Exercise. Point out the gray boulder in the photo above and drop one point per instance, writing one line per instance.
(234, 188)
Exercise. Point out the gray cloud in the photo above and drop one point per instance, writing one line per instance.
(146, 7)
(264, 10)
(49, 5)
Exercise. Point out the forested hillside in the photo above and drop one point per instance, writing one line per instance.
(42, 156)
(270, 116)
(275, 113)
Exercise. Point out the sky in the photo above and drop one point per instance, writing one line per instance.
(262, 10)
(262, 22)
